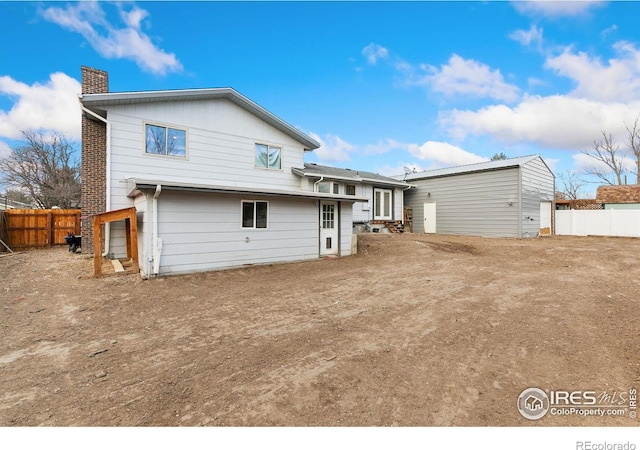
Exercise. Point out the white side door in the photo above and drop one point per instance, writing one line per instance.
(328, 228)
(430, 217)
(382, 204)
(545, 218)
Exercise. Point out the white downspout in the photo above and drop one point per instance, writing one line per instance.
(107, 226)
(315, 185)
(157, 243)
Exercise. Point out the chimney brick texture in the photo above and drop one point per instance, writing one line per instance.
(94, 157)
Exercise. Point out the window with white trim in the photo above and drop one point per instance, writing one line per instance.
(268, 156)
(328, 187)
(350, 189)
(255, 214)
(166, 141)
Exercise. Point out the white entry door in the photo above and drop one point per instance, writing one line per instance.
(545, 218)
(328, 228)
(430, 217)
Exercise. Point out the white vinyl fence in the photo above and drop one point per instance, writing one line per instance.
(605, 222)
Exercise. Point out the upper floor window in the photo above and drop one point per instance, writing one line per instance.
(268, 156)
(165, 141)
(350, 189)
(328, 187)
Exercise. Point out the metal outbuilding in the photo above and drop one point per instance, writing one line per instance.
(504, 198)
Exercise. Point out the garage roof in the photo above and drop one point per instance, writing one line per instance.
(469, 168)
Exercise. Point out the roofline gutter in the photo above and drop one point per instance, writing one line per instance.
(357, 179)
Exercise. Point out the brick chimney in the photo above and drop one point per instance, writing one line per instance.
(94, 157)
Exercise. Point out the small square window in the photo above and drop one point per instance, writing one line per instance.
(268, 156)
(350, 189)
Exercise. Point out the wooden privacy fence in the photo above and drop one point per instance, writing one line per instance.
(28, 228)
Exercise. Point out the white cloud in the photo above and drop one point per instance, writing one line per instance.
(444, 154)
(464, 77)
(110, 41)
(5, 149)
(529, 37)
(605, 96)
(332, 148)
(52, 106)
(552, 163)
(556, 9)
(607, 31)
(618, 79)
(374, 52)
(134, 17)
(383, 147)
(399, 170)
(585, 164)
(553, 122)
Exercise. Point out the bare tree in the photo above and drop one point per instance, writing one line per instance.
(570, 185)
(606, 152)
(634, 144)
(46, 168)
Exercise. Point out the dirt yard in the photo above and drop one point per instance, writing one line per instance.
(413, 331)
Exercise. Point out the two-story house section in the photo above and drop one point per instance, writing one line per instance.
(210, 174)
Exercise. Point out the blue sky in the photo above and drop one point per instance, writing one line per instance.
(382, 85)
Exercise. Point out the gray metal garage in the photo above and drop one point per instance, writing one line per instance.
(505, 198)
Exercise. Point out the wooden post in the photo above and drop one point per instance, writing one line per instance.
(133, 232)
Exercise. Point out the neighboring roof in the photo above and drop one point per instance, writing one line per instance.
(469, 168)
(580, 203)
(313, 170)
(628, 193)
(98, 102)
(136, 184)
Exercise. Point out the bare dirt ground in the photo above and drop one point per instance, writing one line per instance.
(415, 330)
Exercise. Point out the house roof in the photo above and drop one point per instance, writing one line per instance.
(469, 168)
(98, 103)
(313, 170)
(629, 193)
(135, 184)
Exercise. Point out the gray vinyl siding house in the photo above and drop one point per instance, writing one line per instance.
(213, 205)
(505, 198)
